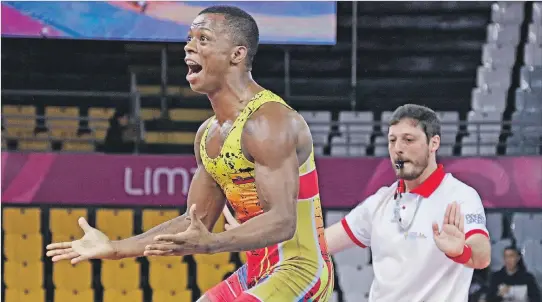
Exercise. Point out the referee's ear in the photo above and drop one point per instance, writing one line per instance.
(434, 143)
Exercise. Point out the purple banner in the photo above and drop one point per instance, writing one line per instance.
(503, 182)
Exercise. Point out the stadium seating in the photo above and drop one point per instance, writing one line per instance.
(115, 223)
(172, 278)
(172, 296)
(168, 274)
(122, 275)
(25, 295)
(63, 295)
(23, 275)
(112, 295)
(23, 250)
(152, 218)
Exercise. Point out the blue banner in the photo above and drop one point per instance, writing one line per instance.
(168, 21)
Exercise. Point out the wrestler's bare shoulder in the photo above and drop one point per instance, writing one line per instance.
(274, 117)
(274, 128)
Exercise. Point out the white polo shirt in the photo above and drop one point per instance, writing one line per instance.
(408, 266)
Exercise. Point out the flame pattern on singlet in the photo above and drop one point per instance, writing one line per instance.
(300, 267)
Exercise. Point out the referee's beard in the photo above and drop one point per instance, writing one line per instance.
(413, 168)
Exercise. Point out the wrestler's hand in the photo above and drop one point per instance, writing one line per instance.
(195, 240)
(451, 238)
(231, 222)
(93, 245)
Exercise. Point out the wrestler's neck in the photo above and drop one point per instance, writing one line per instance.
(412, 184)
(233, 95)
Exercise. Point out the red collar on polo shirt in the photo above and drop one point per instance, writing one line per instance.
(427, 187)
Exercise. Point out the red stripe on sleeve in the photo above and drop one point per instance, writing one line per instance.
(308, 185)
(351, 234)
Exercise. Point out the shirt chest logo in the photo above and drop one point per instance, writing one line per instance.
(414, 235)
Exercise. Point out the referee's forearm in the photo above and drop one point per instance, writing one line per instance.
(481, 251)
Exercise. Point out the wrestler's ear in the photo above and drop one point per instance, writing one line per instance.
(239, 55)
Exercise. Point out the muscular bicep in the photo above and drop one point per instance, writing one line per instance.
(207, 196)
(204, 192)
(277, 184)
(271, 140)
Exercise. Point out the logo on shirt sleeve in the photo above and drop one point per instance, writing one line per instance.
(475, 218)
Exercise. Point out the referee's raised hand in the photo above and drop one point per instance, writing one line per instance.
(93, 245)
(450, 239)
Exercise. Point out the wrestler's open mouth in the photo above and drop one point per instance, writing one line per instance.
(193, 67)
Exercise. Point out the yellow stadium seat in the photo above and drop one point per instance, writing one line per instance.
(19, 117)
(190, 115)
(25, 295)
(23, 275)
(72, 277)
(62, 117)
(147, 114)
(23, 247)
(20, 131)
(171, 296)
(33, 145)
(136, 295)
(120, 275)
(157, 89)
(64, 221)
(243, 257)
(21, 220)
(115, 223)
(219, 226)
(63, 133)
(168, 276)
(156, 137)
(78, 146)
(182, 138)
(99, 117)
(67, 295)
(18, 110)
(152, 218)
(99, 135)
(217, 259)
(208, 276)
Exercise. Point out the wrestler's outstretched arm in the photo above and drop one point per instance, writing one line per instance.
(271, 137)
(204, 192)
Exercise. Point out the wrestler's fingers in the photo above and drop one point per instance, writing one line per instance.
(59, 245)
(158, 253)
(58, 252)
(67, 256)
(159, 247)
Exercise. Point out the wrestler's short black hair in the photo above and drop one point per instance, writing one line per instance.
(427, 118)
(241, 26)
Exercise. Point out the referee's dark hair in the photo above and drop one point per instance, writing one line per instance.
(427, 118)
